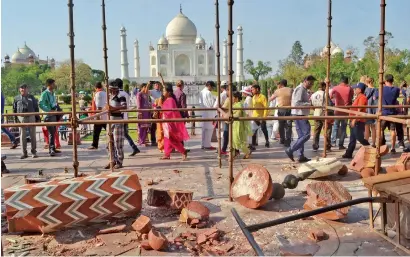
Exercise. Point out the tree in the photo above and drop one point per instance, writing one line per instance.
(296, 55)
(293, 73)
(83, 75)
(259, 71)
(97, 76)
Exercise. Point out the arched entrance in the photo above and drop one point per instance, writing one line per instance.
(182, 65)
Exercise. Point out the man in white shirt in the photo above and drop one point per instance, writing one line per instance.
(207, 100)
(155, 94)
(99, 102)
(318, 99)
(122, 93)
(223, 96)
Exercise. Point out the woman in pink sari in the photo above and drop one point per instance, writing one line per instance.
(174, 132)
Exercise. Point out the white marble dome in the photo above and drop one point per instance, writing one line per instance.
(200, 40)
(18, 57)
(181, 30)
(337, 50)
(162, 41)
(26, 51)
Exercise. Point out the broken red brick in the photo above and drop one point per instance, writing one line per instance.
(178, 243)
(178, 239)
(186, 235)
(157, 240)
(145, 245)
(252, 187)
(317, 235)
(325, 193)
(196, 210)
(343, 171)
(366, 157)
(201, 239)
(214, 236)
(115, 229)
(174, 199)
(211, 231)
(142, 224)
(194, 222)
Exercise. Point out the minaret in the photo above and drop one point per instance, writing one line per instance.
(225, 58)
(136, 59)
(239, 56)
(124, 58)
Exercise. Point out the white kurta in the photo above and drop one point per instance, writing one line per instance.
(207, 100)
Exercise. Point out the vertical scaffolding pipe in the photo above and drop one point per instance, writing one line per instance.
(109, 130)
(329, 38)
(230, 73)
(218, 79)
(381, 74)
(74, 119)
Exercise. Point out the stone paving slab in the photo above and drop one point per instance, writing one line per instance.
(202, 175)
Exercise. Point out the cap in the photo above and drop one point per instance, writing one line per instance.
(23, 86)
(224, 83)
(283, 82)
(211, 83)
(113, 85)
(360, 85)
(247, 90)
(310, 78)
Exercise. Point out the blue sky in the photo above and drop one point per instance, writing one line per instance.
(270, 26)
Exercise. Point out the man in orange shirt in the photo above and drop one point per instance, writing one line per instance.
(357, 125)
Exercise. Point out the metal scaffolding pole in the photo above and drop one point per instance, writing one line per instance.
(109, 130)
(329, 38)
(218, 78)
(73, 120)
(381, 73)
(230, 73)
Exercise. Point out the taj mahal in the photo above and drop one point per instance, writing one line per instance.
(182, 54)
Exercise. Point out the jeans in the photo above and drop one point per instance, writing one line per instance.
(319, 125)
(264, 130)
(51, 133)
(335, 130)
(400, 132)
(225, 137)
(129, 139)
(96, 133)
(356, 134)
(303, 130)
(10, 136)
(285, 127)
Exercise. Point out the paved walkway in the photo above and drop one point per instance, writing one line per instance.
(202, 175)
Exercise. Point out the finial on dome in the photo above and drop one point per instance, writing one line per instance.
(180, 8)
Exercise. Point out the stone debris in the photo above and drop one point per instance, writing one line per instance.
(318, 235)
(402, 164)
(115, 229)
(343, 171)
(195, 215)
(322, 194)
(321, 167)
(157, 240)
(174, 199)
(252, 187)
(142, 224)
(366, 158)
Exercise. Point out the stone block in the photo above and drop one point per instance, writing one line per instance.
(70, 138)
(157, 240)
(366, 157)
(174, 199)
(142, 224)
(52, 205)
(321, 167)
(252, 186)
(322, 194)
(402, 164)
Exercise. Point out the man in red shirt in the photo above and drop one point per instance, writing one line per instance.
(341, 95)
(357, 125)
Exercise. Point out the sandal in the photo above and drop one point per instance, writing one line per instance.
(165, 158)
(248, 155)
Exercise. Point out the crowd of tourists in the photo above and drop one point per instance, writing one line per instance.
(170, 136)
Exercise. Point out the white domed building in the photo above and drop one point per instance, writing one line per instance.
(26, 56)
(181, 53)
(334, 49)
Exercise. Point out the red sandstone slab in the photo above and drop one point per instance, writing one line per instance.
(52, 205)
(322, 194)
(252, 187)
(174, 199)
